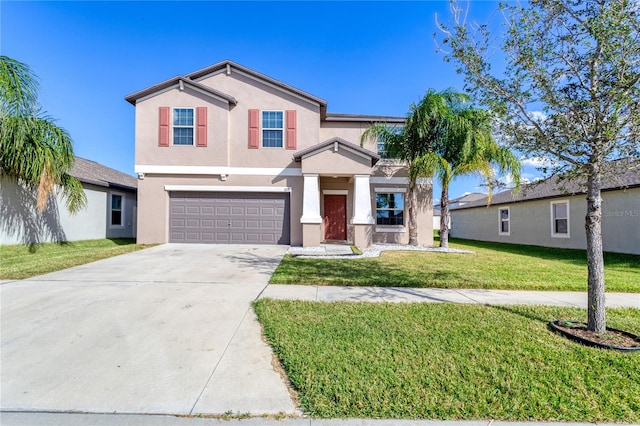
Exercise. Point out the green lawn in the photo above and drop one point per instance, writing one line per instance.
(447, 361)
(22, 261)
(492, 266)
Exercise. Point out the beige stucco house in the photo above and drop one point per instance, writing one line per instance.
(552, 212)
(228, 155)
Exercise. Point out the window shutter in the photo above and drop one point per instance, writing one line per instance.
(201, 123)
(254, 128)
(163, 132)
(291, 129)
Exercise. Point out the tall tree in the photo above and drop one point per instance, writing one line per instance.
(464, 146)
(33, 149)
(413, 140)
(569, 91)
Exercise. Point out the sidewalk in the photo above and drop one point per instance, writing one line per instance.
(81, 419)
(434, 295)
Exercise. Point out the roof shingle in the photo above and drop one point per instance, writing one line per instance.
(88, 171)
(620, 174)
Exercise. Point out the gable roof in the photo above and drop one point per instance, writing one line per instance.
(364, 118)
(179, 81)
(332, 142)
(230, 66)
(621, 174)
(88, 171)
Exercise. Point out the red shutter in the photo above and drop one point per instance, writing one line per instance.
(163, 132)
(292, 136)
(254, 129)
(201, 123)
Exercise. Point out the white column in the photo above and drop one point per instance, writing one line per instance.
(311, 199)
(362, 201)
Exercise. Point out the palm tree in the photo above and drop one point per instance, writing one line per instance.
(33, 149)
(414, 140)
(464, 146)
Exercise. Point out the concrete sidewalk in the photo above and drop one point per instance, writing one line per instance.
(81, 419)
(439, 295)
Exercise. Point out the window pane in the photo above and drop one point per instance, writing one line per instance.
(382, 201)
(272, 138)
(389, 217)
(504, 214)
(504, 226)
(397, 200)
(183, 117)
(116, 217)
(182, 136)
(116, 202)
(560, 211)
(561, 226)
(272, 119)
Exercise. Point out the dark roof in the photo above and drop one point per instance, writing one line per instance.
(132, 98)
(88, 171)
(365, 118)
(322, 145)
(620, 174)
(467, 198)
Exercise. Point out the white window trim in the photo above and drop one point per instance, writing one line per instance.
(390, 228)
(122, 210)
(553, 233)
(284, 126)
(500, 232)
(173, 126)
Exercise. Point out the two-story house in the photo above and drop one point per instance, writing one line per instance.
(228, 155)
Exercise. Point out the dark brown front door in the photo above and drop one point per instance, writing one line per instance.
(335, 217)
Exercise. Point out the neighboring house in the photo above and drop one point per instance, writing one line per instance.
(552, 213)
(460, 201)
(110, 210)
(228, 155)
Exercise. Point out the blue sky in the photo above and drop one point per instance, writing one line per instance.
(362, 57)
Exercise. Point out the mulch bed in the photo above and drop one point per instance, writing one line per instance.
(612, 338)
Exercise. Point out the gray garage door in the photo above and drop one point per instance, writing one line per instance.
(229, 218)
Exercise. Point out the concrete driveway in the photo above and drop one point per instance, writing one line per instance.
(164, 330)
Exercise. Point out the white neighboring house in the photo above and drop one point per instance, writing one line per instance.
(110, 211)
(551, 213)
(460, 201)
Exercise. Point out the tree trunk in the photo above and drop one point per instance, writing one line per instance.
(413, 214)
(444, 216)
(595, 260)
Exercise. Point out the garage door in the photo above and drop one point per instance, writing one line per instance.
(229, 218)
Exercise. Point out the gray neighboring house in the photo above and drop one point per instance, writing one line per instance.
(460, 201)
(110, 211)
(552, 212)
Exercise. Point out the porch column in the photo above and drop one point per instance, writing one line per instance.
(311, 220)
(362, 218)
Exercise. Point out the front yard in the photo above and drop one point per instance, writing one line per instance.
(20, 261)
(446, 361)
(492, 266)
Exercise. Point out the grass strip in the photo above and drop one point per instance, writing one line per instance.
(25, 261)
(492, 266)
(447, 361)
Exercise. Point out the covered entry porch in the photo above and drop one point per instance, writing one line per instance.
(337, 202)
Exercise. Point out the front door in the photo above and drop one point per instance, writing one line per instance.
(335, 217)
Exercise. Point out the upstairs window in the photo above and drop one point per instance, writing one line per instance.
(560, 219)
(183, 126)
(505, 221)
(390, 208)
(381, 148)
(272, 129)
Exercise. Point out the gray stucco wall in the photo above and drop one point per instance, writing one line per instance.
(21, 224)
(531, 222)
